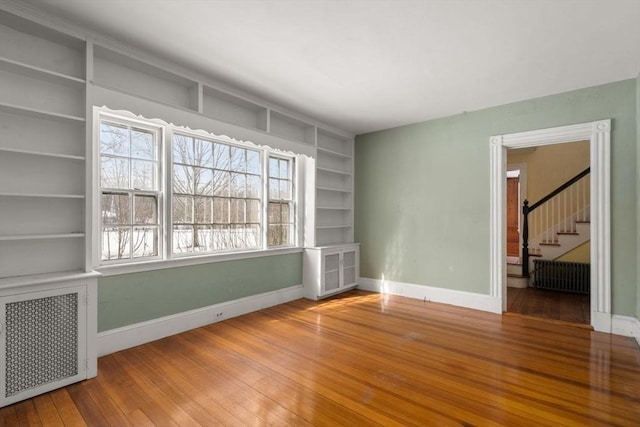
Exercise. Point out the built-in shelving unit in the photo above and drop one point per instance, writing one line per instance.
(291, 128)
(42, 149)
(124, 73)
(333, 189)
(232, 109)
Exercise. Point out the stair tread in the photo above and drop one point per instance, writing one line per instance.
(518, 276)
(568, 233)
(549, 244)
(583, 222)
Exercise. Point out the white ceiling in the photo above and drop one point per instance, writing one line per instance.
(368, 65)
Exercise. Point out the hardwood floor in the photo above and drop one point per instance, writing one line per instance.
(358, 359)
(554, 305)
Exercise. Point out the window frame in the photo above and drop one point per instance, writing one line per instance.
(292, 201)
(166, 258)
(157, 131)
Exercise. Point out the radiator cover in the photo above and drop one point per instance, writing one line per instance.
(43, 343)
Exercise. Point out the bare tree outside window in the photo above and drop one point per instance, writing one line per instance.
(280, 231)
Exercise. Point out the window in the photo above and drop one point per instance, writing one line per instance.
(129, 191)
(191, 195)
(217, 192)
(280, 202)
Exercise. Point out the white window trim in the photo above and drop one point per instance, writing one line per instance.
(167, 258)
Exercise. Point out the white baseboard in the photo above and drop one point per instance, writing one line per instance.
(446, 296)
(140, 333)
(626, 325)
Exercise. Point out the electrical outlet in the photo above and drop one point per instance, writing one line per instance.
(219, 315)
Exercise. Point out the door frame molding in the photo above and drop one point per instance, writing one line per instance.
(598, 133)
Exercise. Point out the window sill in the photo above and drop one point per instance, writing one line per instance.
(137, 267)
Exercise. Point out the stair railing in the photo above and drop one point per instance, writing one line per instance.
(562, 207)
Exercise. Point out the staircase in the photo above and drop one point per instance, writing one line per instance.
(559, 223)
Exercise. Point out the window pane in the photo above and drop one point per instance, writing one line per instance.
(182, 179)
(274, 168)
(203, 153)
(253, 236)
(274, 189)
(146, 210)
(182, 239)
(284, 169)
(274, 235)
(238, 185)
(237, 211)
(221, 156)
(115, 209)
(143, 175)
(238, 236)
(221, 183)
(116, 243)
(145, 241)
(221, 237)
(285, 212)
(253, 211)
(285, 190)
(238, 159)
(182, 149)
(284, 239)
(254, 186)
(253, 162)
(203, 212)
(114, 139)
(274, 213)
(142, 145)
(221, 211)
(114, 172)
(183, 209)
(203, 239)
(203, 181)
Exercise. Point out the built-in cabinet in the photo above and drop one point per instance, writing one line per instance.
(42, 149)
(330, 270)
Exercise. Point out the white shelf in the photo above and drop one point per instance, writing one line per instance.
(39, 153)
(40, 73)
(37, 279)
(338, 190)
(11, 108)
(333, 226)
(333, 153)
(334, 171)
(334, 208)
(44, 195)
(41, 236)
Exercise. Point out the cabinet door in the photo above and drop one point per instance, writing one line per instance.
(349, 267)
(330, 271)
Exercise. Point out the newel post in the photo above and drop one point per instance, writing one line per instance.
(525, 238)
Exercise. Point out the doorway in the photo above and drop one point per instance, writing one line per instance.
(598, 133)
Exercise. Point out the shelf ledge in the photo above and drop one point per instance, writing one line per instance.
(41, 236)
(334, 171)
(12, 108)
(40, 73)
(36, 279)
(338, 190)
(334, 153)
(41, 153)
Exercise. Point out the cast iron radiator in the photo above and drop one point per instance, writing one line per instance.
(562, 276)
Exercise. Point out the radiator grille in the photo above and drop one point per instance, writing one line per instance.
(41, 342)
(562, 276)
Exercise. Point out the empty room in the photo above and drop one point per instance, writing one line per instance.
(319, 212)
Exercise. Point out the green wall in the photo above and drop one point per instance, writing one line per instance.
(131, 298)
(422, 190)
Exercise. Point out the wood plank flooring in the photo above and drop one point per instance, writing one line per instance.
(359, 359)
(554, 305)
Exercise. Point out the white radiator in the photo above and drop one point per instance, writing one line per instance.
(43, 341)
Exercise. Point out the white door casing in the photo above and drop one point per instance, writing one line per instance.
(598, 133)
